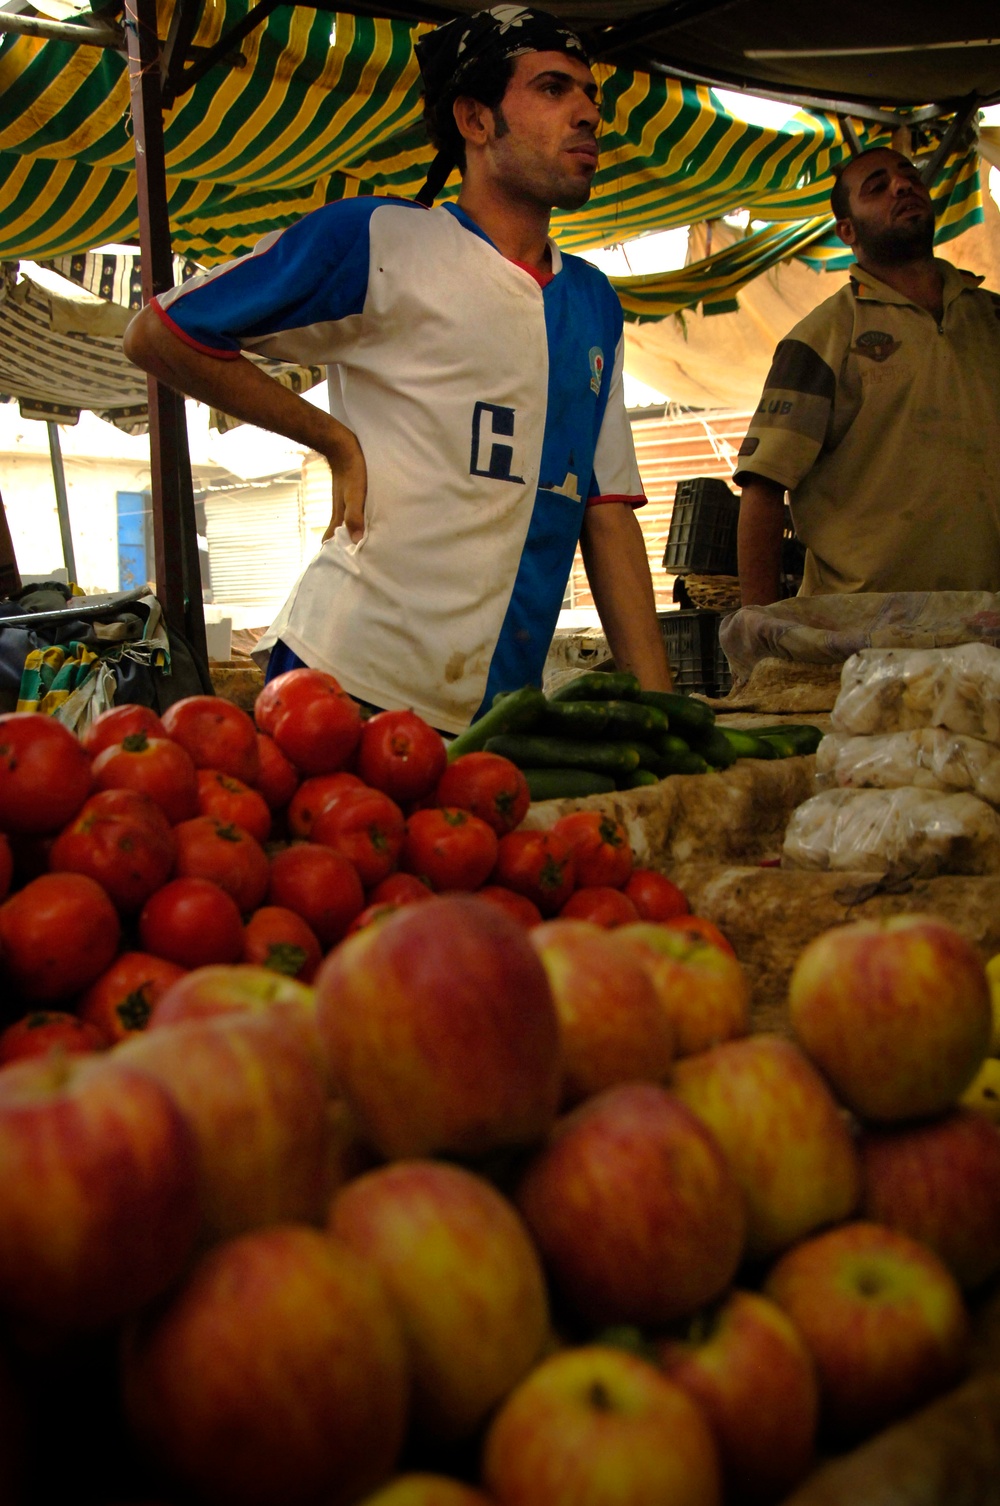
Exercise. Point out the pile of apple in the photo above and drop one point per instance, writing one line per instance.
(486, 1213)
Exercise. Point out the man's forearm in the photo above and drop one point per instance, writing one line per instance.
(759, 536)
(614, 554)
(238, 387)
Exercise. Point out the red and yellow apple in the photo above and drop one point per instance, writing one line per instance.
(896, 1013)
(440, 1030)
(98, 1191)
(426, 1490)
(223, 988)
(704, 991)
(745, 1364)
(882, 1317)
(784, 1134)
(276, 1375)
(939, 1181)
(594, 1426)
(256, 1100)
(464, 1278)
(612, 1025)
(634, 1208)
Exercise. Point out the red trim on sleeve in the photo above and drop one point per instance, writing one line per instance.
(633, 502)
(206, 350)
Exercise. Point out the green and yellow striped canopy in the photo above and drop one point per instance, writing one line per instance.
(306, 120)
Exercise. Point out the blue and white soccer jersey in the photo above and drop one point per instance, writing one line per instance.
(490, 413)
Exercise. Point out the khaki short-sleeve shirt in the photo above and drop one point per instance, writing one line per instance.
(884, 426)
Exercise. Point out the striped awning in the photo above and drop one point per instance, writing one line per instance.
(302, 122)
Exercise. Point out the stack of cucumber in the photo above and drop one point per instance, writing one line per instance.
(600, 732)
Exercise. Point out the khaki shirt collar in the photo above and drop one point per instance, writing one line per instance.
(956, 282)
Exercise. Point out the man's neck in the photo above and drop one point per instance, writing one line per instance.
(921, 281)
(519, 231)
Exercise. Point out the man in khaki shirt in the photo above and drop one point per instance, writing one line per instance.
(881, 414)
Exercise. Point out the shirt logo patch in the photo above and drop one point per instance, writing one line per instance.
(596, 358)
(876, 345)
(492, 424)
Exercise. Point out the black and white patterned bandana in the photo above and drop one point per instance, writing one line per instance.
(447, 54)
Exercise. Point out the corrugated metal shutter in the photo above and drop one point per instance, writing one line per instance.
(255, 540)
(671, 449)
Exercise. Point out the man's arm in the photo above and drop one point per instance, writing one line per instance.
(246, 392)
(614, 554)
(758, 540)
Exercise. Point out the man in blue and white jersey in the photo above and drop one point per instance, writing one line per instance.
(477, 429)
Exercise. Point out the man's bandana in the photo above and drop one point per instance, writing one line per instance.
(447, 54)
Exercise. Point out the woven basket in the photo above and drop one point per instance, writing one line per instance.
(713, 593)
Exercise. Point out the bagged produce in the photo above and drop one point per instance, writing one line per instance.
(929, 758)
(908, 831)
(894, 690)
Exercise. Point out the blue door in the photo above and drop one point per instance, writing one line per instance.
(133, 515)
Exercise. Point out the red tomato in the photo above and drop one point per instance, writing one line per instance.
(314, 723)
(217, 734)
(277, 780)
(43, 1029)
(372, 915)
(367, 828)
(227, 855)
(314, 795)
(491, 787)
(121, 1000)
(401, 755)
(192, 922)
(320, 885)
(154, 766)
(45, 773)
(57, 934)
(700, 929)
(129, 853)
(602, 905)
(539, 864)
(6, 866)
(230, 800)
(132, 804)
(654, 896)
(399, 889)
(281, 940)
(518, 906)
(120, 722)
(289, 690)
(449, 848)
(601, 848)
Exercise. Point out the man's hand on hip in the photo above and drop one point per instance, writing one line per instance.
(350, 485)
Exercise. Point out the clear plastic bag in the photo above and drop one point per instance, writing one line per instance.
(901, 832)
(929, 758)
(895, 690)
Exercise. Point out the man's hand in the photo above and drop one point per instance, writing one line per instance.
(350, 486)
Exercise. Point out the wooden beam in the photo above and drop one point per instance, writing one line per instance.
(175, 540)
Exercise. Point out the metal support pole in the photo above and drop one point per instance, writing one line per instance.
(10, 579)
(62, 501)
(175, 539)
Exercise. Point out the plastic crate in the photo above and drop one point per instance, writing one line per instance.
(702, 538)
(692, 644)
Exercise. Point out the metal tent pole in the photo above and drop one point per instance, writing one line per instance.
(62, 501)
(175, 540)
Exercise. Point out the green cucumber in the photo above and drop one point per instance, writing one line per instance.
(598, 685)
(784, 747)
(576, 718)
(685, 761)
(670, 743)
(514, 713)
(804, 737)
(638, 779)
(747, 744)
(537, 752)
(649, 757)
(632, 719)
(567, 784)
(684, 713)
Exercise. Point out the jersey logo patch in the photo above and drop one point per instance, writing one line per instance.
(492, 424)
(596, 357)
(876, 345)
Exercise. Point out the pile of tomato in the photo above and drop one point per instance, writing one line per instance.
(150, 846)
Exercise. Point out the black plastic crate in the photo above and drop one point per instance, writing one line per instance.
(702, 538)
(723, 674)
(692, 643)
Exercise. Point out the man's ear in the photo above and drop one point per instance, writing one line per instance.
(845, 229)
(473, 119)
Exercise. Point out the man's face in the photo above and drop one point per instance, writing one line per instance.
(891, 214)
(543, 144)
